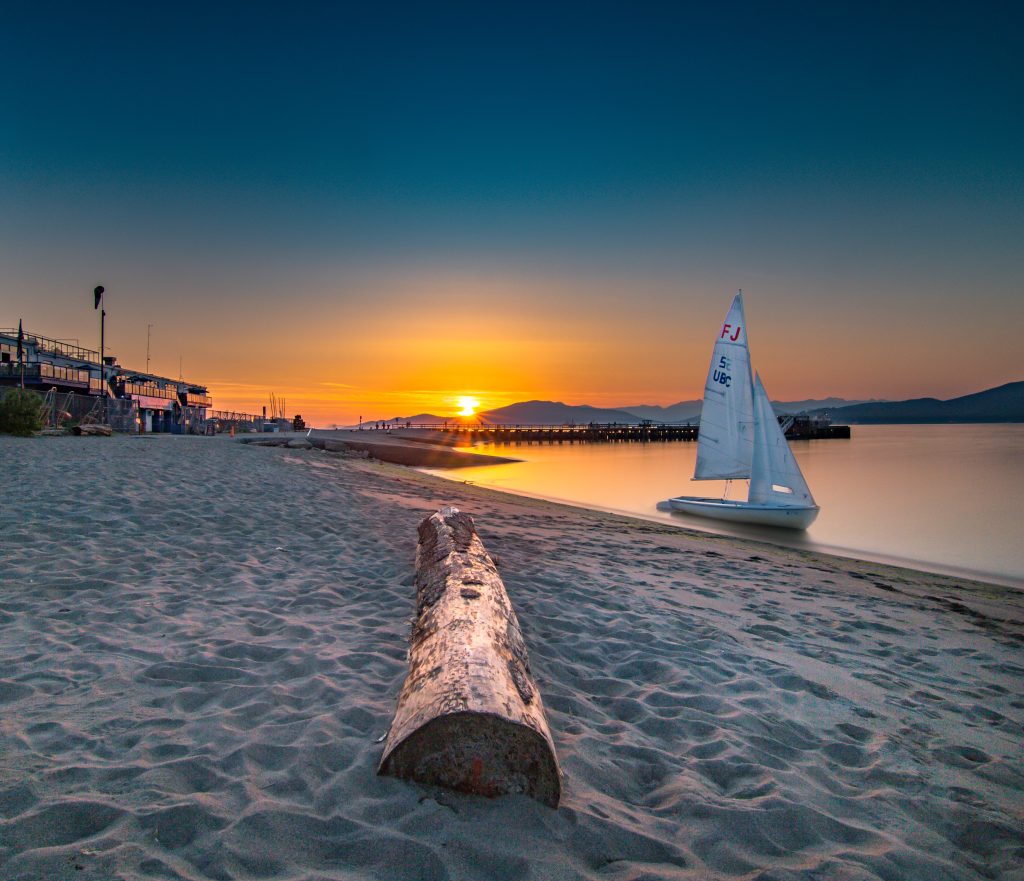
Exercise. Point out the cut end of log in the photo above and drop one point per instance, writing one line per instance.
(478, 754)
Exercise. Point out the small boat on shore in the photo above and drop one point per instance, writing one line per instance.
(740, 439)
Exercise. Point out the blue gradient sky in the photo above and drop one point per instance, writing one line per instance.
(371, 207)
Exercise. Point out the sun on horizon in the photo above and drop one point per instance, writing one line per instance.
(468, 405)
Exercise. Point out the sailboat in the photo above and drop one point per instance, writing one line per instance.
(740, 438)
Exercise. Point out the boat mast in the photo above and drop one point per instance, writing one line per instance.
(750, 379)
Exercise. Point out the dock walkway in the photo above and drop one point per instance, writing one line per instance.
(594, 432)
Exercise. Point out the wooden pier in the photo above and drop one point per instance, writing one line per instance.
(799, 431)
(602, 432)
(498, 434)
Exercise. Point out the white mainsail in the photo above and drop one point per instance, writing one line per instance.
(775, 476)
(726, 442)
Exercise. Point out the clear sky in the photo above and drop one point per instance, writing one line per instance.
(375, 208)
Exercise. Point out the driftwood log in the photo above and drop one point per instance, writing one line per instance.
(469, 716)
(95, 429)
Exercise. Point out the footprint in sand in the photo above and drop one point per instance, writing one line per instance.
(848, 755)
(959, 756)
(854, 732)
(794, 682)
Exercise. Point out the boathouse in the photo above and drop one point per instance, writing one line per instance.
(75, 382)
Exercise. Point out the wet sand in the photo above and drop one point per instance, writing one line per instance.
(384, 446)
(203, 642)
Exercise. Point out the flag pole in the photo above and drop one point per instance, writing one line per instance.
(21, 353)
(98, 304)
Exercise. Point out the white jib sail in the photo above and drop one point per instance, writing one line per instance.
(775, 477)
(726, 440)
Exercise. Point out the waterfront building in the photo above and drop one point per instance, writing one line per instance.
(143, 401)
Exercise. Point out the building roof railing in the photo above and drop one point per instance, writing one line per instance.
(41, 350)
(125, 375)
(54, 347)
(74, 352)
(232, 416)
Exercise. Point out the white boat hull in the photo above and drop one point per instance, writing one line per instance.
(787, 516)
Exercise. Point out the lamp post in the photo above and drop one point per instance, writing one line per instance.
(98, 304)
(21, 353)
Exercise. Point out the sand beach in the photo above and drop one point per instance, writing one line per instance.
(399, 447)
(202, 642)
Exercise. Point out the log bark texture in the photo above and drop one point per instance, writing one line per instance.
(469, 716)
(93, 430)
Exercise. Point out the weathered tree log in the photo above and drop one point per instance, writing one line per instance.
(95, 429)
(469, 716)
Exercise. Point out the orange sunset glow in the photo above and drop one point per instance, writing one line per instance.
(608, 341)
(468, 405)
(549, 337)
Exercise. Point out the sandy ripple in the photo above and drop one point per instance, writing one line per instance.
(203, 644)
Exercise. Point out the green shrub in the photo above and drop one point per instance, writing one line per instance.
(21, 412)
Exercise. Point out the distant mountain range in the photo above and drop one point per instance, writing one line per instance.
(557, 413)
(1002, 404)
(689, 411)
(554, 413)
(421, 419)
(526, 413)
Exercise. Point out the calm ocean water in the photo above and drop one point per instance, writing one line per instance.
(946, 498)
